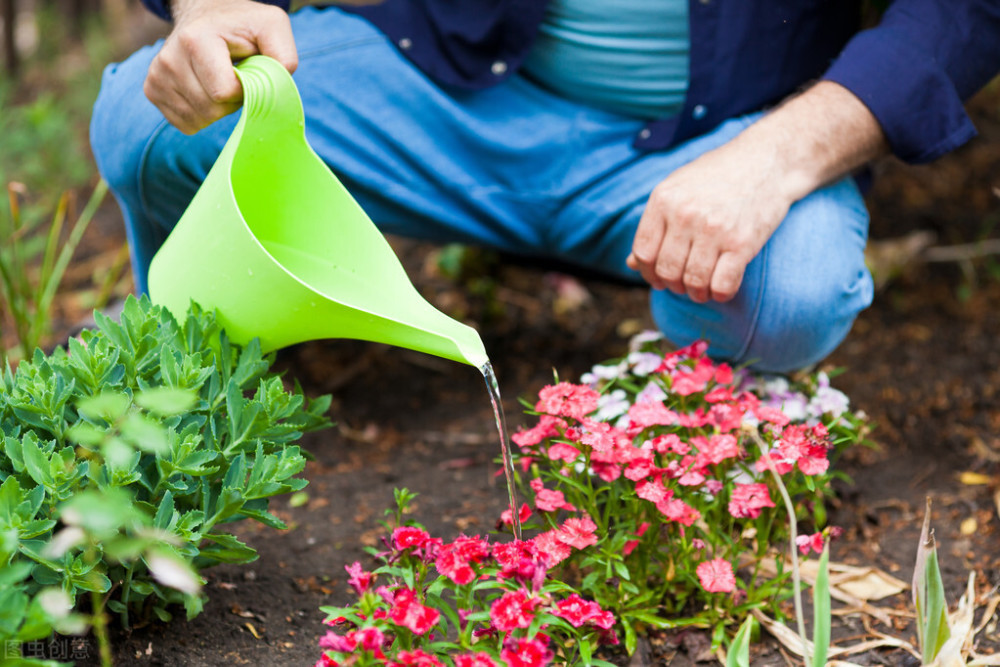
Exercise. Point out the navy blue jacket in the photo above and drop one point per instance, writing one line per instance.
(913, 70)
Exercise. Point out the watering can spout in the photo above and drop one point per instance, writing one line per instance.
(277, 246)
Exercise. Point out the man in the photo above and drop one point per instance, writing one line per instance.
(703, 146)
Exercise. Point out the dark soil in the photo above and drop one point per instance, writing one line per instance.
(923, 362)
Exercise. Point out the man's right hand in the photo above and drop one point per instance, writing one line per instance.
(191, 80)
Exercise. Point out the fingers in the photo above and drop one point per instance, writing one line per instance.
(279, 43)
(191, 80)
(680, 247)
(727, 276)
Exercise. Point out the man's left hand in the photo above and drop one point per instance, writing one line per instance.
(706, 221)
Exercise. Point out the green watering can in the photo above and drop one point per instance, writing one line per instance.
(281, 250)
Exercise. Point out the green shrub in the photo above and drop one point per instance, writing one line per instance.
(123, 456)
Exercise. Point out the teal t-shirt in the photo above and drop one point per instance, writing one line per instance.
(626, 56)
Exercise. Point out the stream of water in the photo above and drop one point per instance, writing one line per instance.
(508, 464)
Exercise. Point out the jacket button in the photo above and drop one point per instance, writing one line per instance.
(699, 112)
(405, 43)
(499, 68)
(644, 133)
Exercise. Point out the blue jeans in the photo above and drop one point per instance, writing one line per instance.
(513, 167)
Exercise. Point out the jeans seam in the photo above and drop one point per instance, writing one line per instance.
(340, 46)
(143, 158)
(755, 319)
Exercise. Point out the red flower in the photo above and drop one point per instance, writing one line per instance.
(527, 652)
(514, 609)
(405, 537)
(748, 500)
(456, 568)
(632, 544)
(409, 613)
(567, 400)
(480, 659)
(716, 576)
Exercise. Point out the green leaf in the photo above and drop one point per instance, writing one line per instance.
(630, 638)
(109, 406)
(739, 650)
(35, 461)
(227, 549)
(166, 401)
(821, 609)
(145, 434)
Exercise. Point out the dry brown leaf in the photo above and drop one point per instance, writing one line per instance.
(970, 478)
(794, 643)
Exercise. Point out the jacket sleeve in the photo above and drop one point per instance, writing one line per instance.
(162, 7)
(915, 69)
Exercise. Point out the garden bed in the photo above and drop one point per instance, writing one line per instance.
(922, 362)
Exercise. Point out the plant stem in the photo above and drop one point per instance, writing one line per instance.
(792, 535)
(100, 624)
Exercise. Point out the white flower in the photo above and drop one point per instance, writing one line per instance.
(173, 572)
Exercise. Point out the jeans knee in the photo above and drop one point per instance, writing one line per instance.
(123, 121)
(800, 324)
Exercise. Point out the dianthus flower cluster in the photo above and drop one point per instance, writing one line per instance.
(406, 622)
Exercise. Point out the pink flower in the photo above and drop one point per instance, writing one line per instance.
(334, 642)
(359, 579)
(767, 413)
(456, 568)
(415, 658)
(813, 542)
(561, 451)
(410, 614)
(655, 413)
(567, 400)
(717, 448)
(547, 427)
(547, 500)
(653, 490)
(603, 437)
(326, 661)
(480, 659)
(521, 652)
(695, 380)
(370, 639)
(677, 510)
(405, 537)
(578, 533)
(506, 518)
(716, 576)
(514, 609)
(551, 547)
(578, 612)
(748, 500)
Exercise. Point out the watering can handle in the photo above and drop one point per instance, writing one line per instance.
(269, 92)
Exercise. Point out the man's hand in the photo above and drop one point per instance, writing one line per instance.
(191, 80)
(706, 221)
